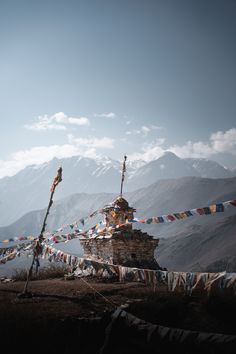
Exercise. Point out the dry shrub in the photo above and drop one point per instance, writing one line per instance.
(50, 272)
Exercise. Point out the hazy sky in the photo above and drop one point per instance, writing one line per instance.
(108, 77)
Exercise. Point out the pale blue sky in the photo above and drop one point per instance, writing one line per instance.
(147, 75)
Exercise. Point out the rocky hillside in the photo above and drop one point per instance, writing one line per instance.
(197, 242)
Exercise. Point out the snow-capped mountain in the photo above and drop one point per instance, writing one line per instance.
(29, 189)
(167, 166)
(209, 168)
(171, 166)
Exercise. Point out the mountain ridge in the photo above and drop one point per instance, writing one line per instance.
(28, 189)
(183, 244)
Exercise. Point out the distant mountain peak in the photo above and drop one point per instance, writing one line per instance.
(168, 155)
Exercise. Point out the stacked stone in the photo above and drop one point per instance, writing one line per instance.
(127, 247)
(132, 248)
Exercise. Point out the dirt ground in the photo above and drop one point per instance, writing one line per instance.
(68, 313)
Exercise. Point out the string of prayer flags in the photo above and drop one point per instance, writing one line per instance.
(94, 231)
(211, 209)
(19, 238)
(186, 282)
(6, 250)
(214, 208)
(55, 255)
(100, 228)
(81, 221)
(9, 257)
(10, 253)
(58, 238)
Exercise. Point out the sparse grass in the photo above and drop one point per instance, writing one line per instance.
(50, 272)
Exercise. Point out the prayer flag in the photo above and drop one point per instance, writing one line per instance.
(213, 208)
(233, 202)
(188, 213)
(177, 215)
(200, 211)
(160, 218)
(149, 221)
(155, 220)
(207, 210)
(170, 217)
(219, 207)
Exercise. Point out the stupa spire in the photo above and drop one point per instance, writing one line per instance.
(123, 175)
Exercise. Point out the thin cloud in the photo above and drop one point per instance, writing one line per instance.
(219, 142)
(149, 151)
(111, 115)
(92, 142)
(58, 121)
(155, 127)
(224, 141)
(35, 156)
(40, 154)
(144, 130)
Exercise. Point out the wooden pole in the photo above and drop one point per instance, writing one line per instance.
(123, 175)
(38, 247)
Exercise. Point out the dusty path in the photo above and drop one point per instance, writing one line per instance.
(70, 311)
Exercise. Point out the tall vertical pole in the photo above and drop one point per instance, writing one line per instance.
(123, 175)
(38, 246)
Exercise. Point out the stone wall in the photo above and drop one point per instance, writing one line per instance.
(99, 249)
(126, 247)
(125, 251)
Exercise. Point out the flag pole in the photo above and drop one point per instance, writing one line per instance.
(123, 175)
(38, 246)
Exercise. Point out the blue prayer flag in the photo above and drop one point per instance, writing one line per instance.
(219, 207)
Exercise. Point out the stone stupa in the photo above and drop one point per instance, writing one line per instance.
(121, 244)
